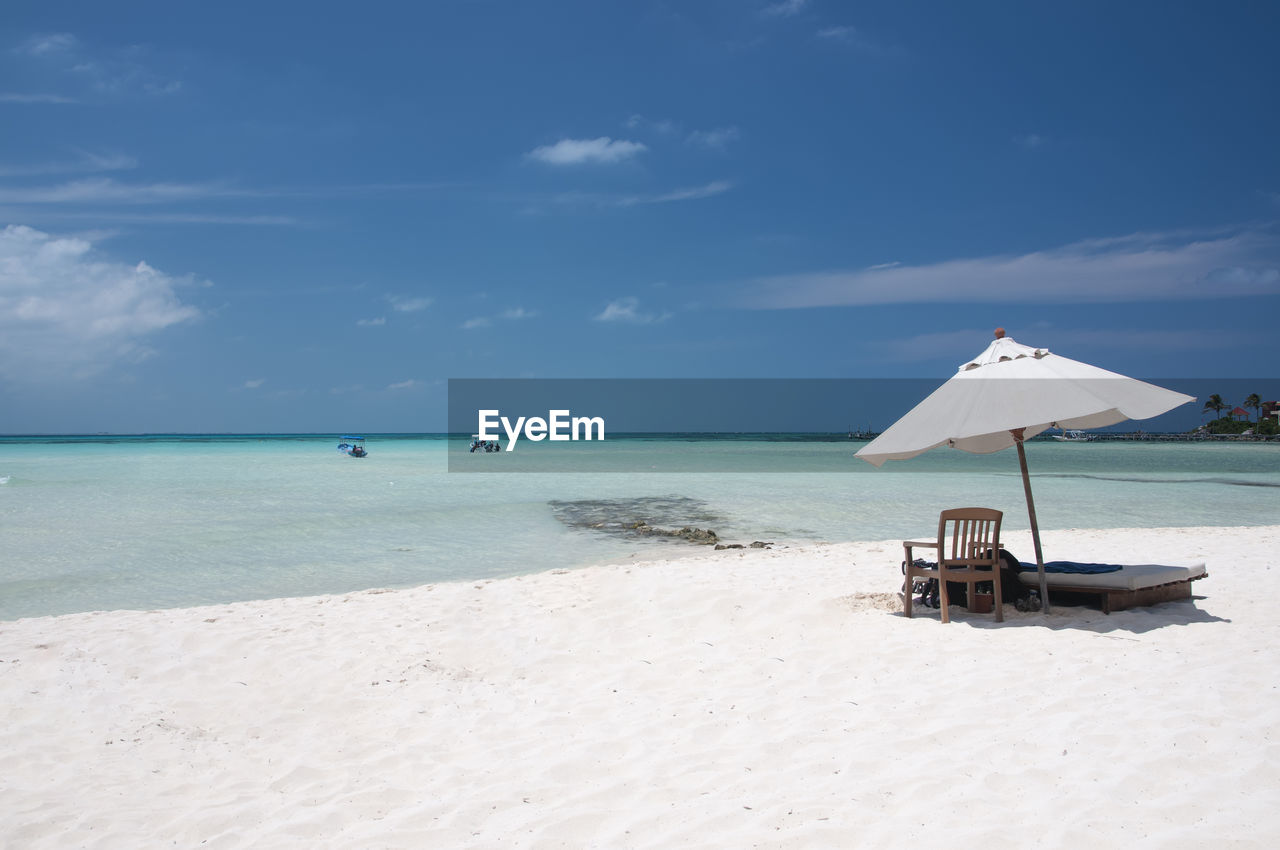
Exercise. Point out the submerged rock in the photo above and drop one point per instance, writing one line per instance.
(688, 532)
(755, 544)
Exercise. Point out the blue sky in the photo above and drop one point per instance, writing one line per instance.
(282, 217)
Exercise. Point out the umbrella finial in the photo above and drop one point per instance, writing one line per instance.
(999, 333)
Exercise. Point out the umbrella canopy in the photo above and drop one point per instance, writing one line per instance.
(1011, 392)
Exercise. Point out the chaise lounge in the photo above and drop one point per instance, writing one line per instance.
(1129, 586)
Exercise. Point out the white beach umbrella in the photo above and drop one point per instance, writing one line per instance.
(1011, 392)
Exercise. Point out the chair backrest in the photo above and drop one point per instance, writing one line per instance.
(966, 535)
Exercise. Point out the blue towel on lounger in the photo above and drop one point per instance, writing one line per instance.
(1080, 568)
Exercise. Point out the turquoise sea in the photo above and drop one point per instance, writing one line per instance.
(100, 523)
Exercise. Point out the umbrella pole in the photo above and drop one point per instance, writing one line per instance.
(1035, 528)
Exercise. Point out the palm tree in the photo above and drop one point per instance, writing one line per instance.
(1216, 404)
(1254, 402)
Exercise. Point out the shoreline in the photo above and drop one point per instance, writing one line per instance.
(770, 697)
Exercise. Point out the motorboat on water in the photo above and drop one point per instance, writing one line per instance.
(479, 445)
(1073, 437)
(352, 446)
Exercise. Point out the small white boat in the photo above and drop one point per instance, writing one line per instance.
(1073, 437)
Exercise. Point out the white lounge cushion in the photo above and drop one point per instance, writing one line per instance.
(1129, 577)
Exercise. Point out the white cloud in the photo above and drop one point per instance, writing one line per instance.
(837, 33)
(116, 217)
(713, 139)
(955, 345)
(124, 77)
(53, 43)
(1140, 267)
(66, 313)
(403, 385)
(857, 39)
(372, 323)
(576, 151)
(254, 383)
(87, 162)
(664, 126)
(124, 71)
(784, 9)
(709, 190)
(514, 314)
(21, 97)
(627, 309)
(694, 193)
(95, 190)
(409, 305)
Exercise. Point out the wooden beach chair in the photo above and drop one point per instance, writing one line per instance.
(968, 538)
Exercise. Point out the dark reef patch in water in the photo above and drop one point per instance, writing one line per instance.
(637, 517)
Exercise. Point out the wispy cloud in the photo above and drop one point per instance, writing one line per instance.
(372, 323)
(49, 44)
(21, 97)
(409, 305)
(513, 314)
(106, 199)
(112, 216)
(627, 310)
(67, 313)
(837, 33)
(955, 345)
(663, 126)
(1030, 141)
(86, 162)
(694, 193)
(104, 190)
(1139, 267)
(254, 383)
(403, 385)
(784, 9)
(852, 37)
(125, 71)
(125, 77)
(577, 151)
(716, 139)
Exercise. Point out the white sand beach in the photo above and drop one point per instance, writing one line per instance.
(759, 698)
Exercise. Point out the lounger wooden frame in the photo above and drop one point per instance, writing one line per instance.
(1118, 599)
(968, 550)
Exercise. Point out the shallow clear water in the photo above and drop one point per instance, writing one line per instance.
(147, 524)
